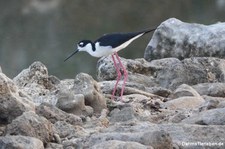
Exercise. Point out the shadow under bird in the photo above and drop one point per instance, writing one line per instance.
(110, 44)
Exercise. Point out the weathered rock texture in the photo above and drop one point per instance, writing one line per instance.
(13, 102)
(175, 38)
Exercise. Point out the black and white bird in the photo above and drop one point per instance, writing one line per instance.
(110, 44)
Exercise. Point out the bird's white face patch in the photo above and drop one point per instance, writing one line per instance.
(81, 44)
(82, 47)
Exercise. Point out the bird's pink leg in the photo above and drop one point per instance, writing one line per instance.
(118, 76)
(124, 73)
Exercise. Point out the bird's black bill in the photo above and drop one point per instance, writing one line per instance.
(71, 55)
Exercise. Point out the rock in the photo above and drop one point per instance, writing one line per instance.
(36, 82)
(209, 117)
(185, 98)
(178, 39)
(211, 89)
(53, 114)
(139, 71)
(184, 103)
(20, 142)
(157, 139)
(0, 69)
(170, 72)
(86, 85)
(68, 131)
(73, 103)
(30, 124)
(54, 146)
(167, 73)
(211, 103)
(179, 133)
(125, 114)
(13, 101)
(184, 90)
(115, 144)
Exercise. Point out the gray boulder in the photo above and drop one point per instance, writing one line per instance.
(166, 73)
(209, 117)
(210, 89)
(30, 124)
(175, 38)
(13, 101)
(20, 142)
(86, 85)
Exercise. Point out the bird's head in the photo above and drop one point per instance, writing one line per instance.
(83, 45)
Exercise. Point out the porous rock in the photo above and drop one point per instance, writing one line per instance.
(171, 72)
(186, 102)
(178, 133)
(157, 139)
(174, 38)
(209, 117)
(211, 89)
(13, 101)
(116, 144)
(73, 103)
(184, 90)
(30, 124)
(36, 82)
(168, 73)
(53, 114)
(68, 131)
(120, 115)
(20, 142)
(86, 85)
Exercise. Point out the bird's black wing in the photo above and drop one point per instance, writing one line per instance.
(116, 39)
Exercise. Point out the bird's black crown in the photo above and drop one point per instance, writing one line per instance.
(83, 43)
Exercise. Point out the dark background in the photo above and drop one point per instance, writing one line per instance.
(48, 30)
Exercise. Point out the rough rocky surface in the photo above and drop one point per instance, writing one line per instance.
(166, 73)
(168, 103)
(13, 101)
(30, 124)
(175, 38)
(86, 85)
(20, 142)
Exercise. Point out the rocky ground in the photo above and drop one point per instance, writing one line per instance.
(174, 98)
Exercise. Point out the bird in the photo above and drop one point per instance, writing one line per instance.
(110, 44)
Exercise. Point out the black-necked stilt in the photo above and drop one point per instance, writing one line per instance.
(110, 44)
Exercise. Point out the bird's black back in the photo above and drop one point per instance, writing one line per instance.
(116, 39)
